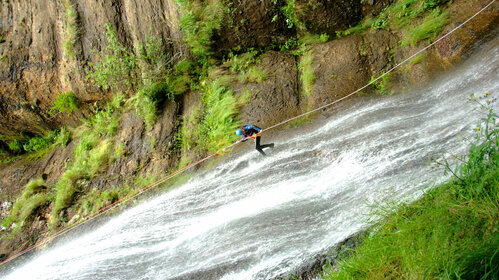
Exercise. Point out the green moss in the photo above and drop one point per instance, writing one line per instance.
(307, 72)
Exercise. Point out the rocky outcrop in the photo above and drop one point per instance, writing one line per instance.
(277, 97)
(252, 24)
(35, 64)
(329, 16)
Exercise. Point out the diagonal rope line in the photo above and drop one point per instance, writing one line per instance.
(384, 74)
(109, 207)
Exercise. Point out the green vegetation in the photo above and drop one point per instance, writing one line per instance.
(93, 152)
(289, 11)
(254, 74)
(416, 20)
(428, 28)
(34, 195)
(148, 98)
(65, 103)
(33, 148)
(417, 59)
(364, 25)
(381, 85)
(200, 22)
(116, 69)
(450, 233)
(2, 39)
(73, 31)
(217, 124)
(307, 72)
(246, 65)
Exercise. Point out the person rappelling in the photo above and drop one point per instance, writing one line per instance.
(253, 132)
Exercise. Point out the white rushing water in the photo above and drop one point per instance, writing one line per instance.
(256, 218)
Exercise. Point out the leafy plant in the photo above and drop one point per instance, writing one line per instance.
(380, 22)
(64, 103)
(38, 143)
(289, 11)
(290, 44)
(153, 60)
(381, 85)
(116, 69)
(200, 22)
(148, 98)
(218, 123)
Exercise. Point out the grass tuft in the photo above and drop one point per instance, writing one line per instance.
(430, 26)
(73, 31)
(34, 195)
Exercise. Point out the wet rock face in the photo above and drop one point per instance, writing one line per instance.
(275, 99)
(328, 16)
(34, 65)
(250, 23)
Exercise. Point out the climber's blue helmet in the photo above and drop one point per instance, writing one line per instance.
(239, 132)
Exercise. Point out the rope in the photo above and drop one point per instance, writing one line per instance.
(384, 74)
(109, 207)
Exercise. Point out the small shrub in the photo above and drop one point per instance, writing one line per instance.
(289, 11)
(16, 146)
(199, 24)
(63, 138)
(148, 98)
(380, 22)
(153, 60)
(241, 62)
(381, 85)
(290, 44)
(116, 69)
(217, 125)
(64, 103)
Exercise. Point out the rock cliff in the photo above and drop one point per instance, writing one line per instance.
(46, 47)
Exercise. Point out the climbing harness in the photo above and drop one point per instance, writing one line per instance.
(221, 152)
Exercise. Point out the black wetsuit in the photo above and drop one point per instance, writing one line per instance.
(250, 130)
